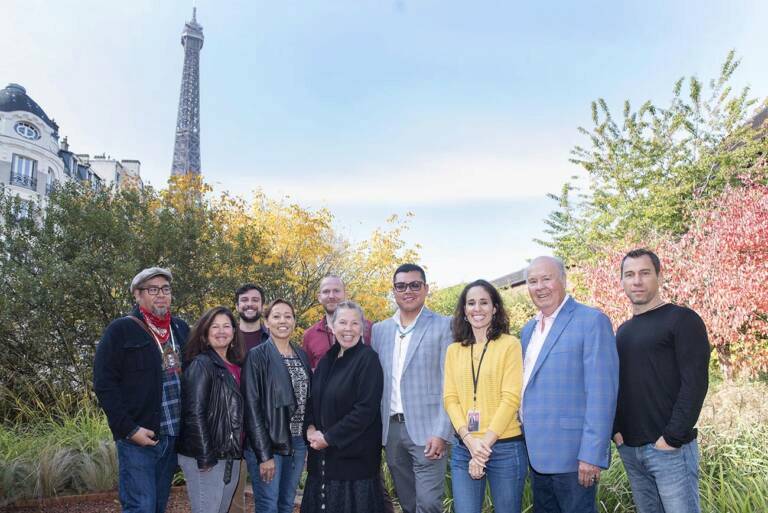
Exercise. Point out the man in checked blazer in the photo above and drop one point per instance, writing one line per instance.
(570, 383)
(411, 347)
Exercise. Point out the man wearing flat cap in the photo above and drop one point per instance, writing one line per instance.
(137, 379)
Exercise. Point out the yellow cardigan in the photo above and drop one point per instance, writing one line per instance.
(498, 388)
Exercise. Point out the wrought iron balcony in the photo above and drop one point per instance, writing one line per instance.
(30, 182)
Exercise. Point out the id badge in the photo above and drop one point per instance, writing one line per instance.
(473, 421)
(171, 361)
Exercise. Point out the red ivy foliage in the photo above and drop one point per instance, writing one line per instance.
(719, 269)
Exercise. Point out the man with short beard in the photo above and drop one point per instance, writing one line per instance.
(136, 377)
(249, 301)
(318, 338)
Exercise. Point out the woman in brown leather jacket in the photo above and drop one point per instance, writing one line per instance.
(210, 447)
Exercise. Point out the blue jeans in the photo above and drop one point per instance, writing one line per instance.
(663, 481)
(145, 475)
(279, 495)
(562, 493)
(505, 473)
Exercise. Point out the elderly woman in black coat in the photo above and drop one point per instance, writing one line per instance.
(344, 432)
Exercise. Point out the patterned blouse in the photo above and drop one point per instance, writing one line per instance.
(300, 382)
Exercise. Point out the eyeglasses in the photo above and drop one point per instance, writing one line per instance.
(153, 291)
(414, 286)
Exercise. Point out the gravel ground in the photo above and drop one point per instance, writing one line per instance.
(177, 503)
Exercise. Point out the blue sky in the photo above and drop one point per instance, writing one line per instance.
(463, 113)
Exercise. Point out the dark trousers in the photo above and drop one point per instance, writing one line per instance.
(562, 493)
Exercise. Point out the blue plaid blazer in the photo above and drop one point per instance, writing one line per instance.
(421, 385)
(570, 401)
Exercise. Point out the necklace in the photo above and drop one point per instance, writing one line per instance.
(654, 308)
(403, 332)
(286, 353)
(477, 357)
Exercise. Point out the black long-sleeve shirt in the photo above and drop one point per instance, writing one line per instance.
(664, 359)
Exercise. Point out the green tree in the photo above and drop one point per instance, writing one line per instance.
(516, 302)
(648, 172)
(66, 271)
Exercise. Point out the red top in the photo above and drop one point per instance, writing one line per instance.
(318, 339)
(235, 370)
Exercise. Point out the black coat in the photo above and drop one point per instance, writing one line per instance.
(211, 411)
(346, 407)
(128, 374)
(269, 400)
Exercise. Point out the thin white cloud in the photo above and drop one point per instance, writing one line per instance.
(437, 181)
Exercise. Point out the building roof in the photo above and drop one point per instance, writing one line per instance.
(759, 119)
(14, 98)
(510, 280)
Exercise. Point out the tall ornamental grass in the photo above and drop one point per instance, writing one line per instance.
(68, 449)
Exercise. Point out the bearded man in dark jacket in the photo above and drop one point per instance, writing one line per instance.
(137, 379)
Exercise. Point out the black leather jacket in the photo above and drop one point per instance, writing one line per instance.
(211, 411)
(269, 400)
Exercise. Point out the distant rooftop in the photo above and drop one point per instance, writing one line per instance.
(510, 280)
(14, 98)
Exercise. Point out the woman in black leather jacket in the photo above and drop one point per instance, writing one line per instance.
(210, 447)
(276, 377)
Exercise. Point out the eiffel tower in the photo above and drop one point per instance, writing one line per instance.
(186, 148)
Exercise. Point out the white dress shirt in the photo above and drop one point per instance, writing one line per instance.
(540, 332)
(400, 350)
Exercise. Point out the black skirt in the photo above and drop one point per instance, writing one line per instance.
(358, 496)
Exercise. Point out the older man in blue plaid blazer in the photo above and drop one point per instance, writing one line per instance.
(570, 382)
(411, 347)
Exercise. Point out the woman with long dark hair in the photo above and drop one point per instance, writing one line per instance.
(210, 448)
(483, 385)
(276, 385)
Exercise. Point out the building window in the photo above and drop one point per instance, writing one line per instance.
(96, 183)
(27, 130)
(50, 181)
(24, 172)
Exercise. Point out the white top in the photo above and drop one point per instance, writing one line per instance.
(402, 341)
(540, 332)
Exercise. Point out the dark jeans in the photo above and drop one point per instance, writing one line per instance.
(663, 481)
(505, 474)
(278, 495)
(562, 493)
(145, 475)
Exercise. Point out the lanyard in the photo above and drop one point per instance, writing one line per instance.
(160, 345)
(476, 377)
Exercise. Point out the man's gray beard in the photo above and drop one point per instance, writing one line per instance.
(255, 318)
(160, 312)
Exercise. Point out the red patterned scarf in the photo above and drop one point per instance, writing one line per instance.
(160, 326)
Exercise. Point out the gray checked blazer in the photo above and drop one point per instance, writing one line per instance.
(421, 385)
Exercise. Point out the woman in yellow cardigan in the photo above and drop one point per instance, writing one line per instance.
(483, 381)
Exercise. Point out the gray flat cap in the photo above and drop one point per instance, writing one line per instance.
(148, 273)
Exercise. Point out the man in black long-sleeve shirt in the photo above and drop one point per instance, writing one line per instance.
(663, 361)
